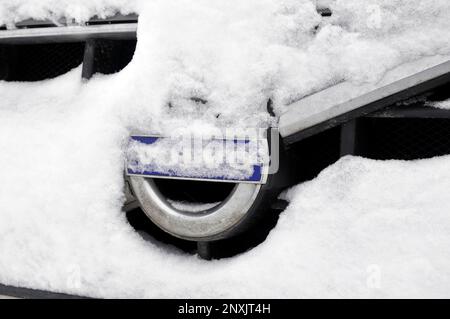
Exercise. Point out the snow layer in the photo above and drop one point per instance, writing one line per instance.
(76, 11)
(442, 104)
(332, 241)
(352, 232)
(247, 52)
(198, 157)
(235, 55)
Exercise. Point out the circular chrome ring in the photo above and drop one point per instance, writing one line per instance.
(209, 224)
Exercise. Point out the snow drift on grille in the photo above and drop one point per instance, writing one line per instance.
(352, 232)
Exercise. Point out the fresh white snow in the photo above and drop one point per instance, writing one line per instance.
(362, 228)
(190, 156)
(74, 11)
(442, 105)
(328, 98)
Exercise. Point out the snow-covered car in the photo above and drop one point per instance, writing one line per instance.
(208, 206)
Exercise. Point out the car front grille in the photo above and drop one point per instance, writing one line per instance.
(36, 62)
(406, 139)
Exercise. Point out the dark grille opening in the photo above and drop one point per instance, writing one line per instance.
(111, 56)
(42, 61)
(440, 93)
(311, 155)
(184, 191)
(3, 63)
(194, 191)
(405, 139)
(140, 222)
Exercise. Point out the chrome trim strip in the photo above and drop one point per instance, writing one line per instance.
(299, 117)
(209, 224)
(68, 33)
(263, 181)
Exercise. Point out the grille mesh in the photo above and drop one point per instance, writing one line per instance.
(3, 63)
(406, 139)
(377, 138)
(313, 154)
(43, 61)
(112, 56)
